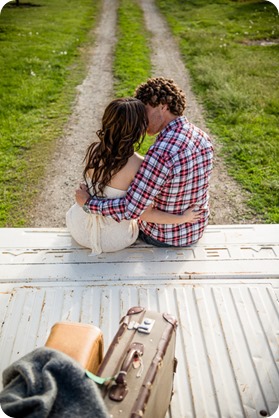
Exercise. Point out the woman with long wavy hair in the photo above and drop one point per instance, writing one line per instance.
(111, 164)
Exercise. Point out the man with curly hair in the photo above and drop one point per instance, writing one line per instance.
(174, 174)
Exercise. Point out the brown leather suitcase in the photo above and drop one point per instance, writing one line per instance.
(142, 360)
(82, 342)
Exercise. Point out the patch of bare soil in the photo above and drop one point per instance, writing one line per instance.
(65, 171)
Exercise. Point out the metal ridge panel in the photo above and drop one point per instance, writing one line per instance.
(227, 340)
(214, 234)
(50, 254)
(138, 253)
(140, 271)
(226, 305)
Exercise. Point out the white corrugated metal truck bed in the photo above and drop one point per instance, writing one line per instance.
(224, 292)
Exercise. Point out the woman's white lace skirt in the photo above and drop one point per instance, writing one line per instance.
(100, 233)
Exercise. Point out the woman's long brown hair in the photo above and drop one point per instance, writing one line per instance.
(123, 129)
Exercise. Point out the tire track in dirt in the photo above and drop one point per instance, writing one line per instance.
(65, 170)
(227, 199)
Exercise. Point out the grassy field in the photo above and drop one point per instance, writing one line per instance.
(132, 54)
(132, 64)
(231, 49)
(41, 61)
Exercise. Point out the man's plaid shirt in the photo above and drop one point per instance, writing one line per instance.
(173, 176)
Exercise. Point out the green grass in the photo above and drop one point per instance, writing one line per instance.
(132, 64)
(41, 61)
(237, 81)
(132, 53)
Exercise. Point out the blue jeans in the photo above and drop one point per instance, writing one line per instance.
(152, 241)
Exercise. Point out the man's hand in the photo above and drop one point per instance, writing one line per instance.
(82, 194)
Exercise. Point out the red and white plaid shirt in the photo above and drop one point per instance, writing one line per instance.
(173, 176)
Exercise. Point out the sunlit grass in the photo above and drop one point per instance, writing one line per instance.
(41, 62)
(235, 73)
(132, 53)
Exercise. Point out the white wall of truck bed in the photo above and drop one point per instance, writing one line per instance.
(224, 292)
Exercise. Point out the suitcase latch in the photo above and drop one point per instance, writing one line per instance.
(119, 390)
(144, 327)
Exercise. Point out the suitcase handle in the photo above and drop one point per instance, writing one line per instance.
(120, 390)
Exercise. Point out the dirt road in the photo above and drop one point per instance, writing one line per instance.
(64, 173)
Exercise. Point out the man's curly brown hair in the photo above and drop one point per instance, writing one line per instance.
(162, 90)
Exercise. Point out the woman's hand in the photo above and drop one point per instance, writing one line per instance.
(192, 215)
(82, 194)
(145, 216)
